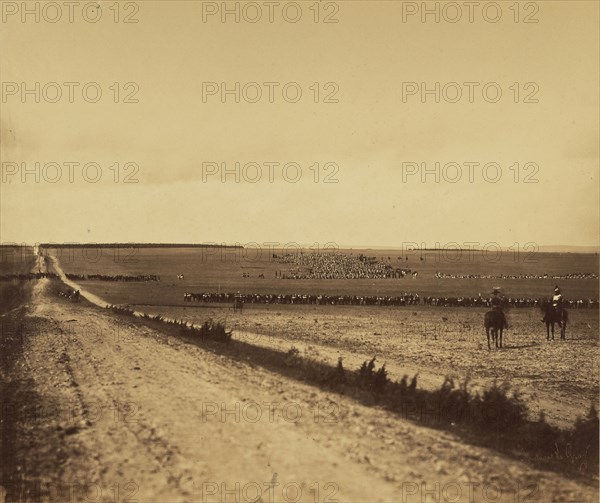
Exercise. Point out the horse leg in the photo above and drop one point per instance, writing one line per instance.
(500, 335)
(552, 330)
(563, 328)
(487, 332)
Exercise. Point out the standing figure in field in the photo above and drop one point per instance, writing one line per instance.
(494, 320)
(497, 303)
(554, 312)
(238, 303)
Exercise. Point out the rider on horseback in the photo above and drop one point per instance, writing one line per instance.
(557, 299)
(555, 313)
(496, 303)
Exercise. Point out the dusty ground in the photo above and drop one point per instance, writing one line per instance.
(560, 378)
(115, 411)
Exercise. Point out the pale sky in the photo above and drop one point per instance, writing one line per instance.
(369, 133)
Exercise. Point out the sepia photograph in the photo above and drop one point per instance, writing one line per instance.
(299, 251)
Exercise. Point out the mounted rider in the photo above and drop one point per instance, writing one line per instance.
(497, 302)
(557, 299)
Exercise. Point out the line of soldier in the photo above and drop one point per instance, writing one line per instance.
(109, 277)
(405, 299)
(575, 275)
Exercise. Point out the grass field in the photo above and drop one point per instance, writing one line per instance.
(556, 380)
(435, 340)
(15, 260)
(221, 270)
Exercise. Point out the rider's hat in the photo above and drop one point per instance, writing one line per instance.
(556, 289)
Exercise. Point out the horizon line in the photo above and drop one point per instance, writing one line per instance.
(407, 246)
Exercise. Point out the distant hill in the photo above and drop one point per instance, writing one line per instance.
(139, 245)
(540, 249)
(568, 249)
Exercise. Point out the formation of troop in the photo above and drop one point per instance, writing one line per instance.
(316, 265)
(112, 277)
(405, 299)
(497, 300)
(576, 275)
(505, 302)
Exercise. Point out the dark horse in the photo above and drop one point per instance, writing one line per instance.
(495, 322)
(552, 316)
(238, 305)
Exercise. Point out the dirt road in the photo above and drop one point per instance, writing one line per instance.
(104, 409)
